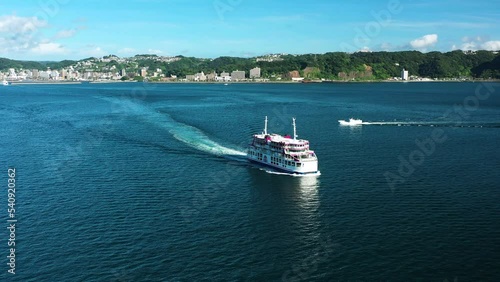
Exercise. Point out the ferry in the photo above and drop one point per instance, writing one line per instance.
(5, 83)
(283, 153)
(351, 122)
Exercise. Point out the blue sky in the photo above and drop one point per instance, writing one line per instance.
(73, 29)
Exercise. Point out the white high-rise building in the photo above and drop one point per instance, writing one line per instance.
(404, 74)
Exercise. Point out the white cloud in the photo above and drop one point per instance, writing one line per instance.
(12, 24)
(424, 41)
(19, 34)
(491, 45)
(23, 37)
(66, 33)
(365, 49)
(469, 46)
(478, 43)
(49, 48)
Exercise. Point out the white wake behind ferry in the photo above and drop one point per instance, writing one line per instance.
(283, 152)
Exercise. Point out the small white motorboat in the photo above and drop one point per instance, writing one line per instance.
(351, 122)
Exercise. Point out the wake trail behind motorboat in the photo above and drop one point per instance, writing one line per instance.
(464, 124)
(441, 123)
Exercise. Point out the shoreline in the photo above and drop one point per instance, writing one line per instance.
(13, 83)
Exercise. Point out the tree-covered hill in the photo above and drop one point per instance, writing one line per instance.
(332, 65)
(15, 64)
(7, 64)
(383, 65)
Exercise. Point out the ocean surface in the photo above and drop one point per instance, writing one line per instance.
(149, 182)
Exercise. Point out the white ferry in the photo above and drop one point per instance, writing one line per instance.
(283, 152)
(5, 83)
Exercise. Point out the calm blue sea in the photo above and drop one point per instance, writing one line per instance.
(148, 182)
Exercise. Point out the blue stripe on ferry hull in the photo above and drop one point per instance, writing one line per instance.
(280, 168)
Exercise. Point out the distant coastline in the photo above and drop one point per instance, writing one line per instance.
(272, 68)
(243, 82)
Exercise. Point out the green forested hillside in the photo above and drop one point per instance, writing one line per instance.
(383, 65)
(333, 65)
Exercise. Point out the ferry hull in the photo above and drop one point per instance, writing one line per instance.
(309, 168)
